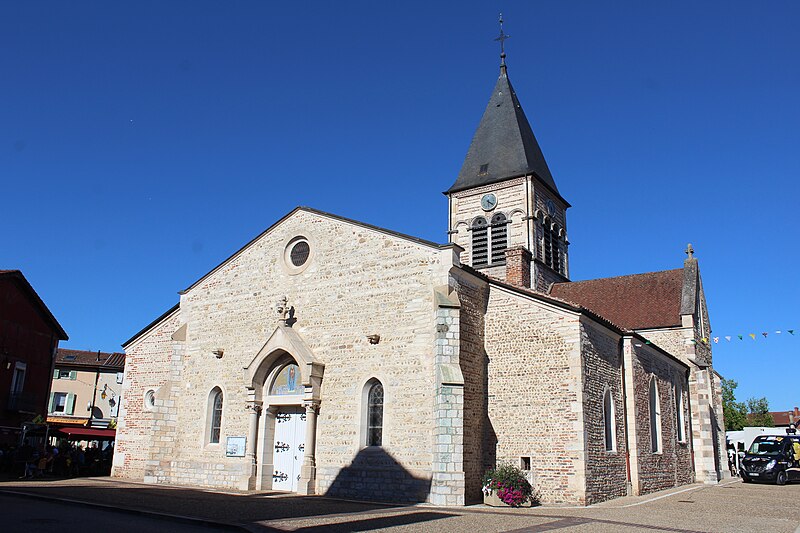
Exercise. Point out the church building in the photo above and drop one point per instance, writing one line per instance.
(329, 356)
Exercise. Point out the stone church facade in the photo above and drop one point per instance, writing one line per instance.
(329, 356)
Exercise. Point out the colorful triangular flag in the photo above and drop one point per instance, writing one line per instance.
(728, 338)
(716, 340)
(765, 334)
(791, 331)
(740, 337)
(752, 336)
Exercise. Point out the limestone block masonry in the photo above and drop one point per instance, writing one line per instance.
(341, 298)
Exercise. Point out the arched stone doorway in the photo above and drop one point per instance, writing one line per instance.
(283, 382)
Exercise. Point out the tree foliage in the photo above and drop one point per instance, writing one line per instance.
(740, 414)
(758, 413)
(735, 413)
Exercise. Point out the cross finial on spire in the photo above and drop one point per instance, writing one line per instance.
(502, 37)
(689, 250)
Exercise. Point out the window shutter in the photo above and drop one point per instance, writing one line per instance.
(55, 374)
(70, 404)
(73, 375)
(50, 405)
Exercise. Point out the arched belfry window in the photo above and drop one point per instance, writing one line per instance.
(547, 242)
(215, 415)
(375, 414)
(552, 248)
(499, 238)
(480, 242)
(556, 249)
(609, 422)
(655, 417)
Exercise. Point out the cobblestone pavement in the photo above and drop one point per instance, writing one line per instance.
(730, 506)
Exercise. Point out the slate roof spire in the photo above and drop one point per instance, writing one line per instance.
(503, 146)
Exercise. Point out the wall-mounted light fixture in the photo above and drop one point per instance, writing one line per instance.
(218, 353)
(374, 339)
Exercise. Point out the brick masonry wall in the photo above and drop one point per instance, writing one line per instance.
(606, 474)
(518, 267)
(147, 366)
(672, 465)
(386, 288)
(535, 395)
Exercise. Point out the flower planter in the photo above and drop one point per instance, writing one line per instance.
(492, 500)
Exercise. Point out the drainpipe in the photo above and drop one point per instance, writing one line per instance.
(628, 487)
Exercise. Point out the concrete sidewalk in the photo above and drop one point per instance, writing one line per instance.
(687, 509)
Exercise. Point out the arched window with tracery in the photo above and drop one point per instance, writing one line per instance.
(499, 238)
(609, 422)
(375, 414)
(655, 417)
(480, 242)
(215, 415)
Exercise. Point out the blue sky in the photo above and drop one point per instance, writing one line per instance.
(142, 143)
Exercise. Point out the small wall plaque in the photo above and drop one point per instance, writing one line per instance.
(234, 446)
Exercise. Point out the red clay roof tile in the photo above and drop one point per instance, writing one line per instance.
(638, 301)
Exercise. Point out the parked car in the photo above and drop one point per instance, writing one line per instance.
(773, 458)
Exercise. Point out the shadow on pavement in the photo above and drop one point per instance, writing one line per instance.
(244, 508)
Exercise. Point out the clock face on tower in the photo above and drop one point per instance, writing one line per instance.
(488, 202)
(551, 207)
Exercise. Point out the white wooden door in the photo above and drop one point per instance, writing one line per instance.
(290, 434)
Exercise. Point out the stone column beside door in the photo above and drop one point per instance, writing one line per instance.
(308, 471)
(254, 408)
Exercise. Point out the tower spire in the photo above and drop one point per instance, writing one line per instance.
(502, 37)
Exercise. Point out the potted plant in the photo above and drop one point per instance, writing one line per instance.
(507, 486)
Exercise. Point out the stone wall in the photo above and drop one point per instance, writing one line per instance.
(706, 404)
(357, 282)
(535, 395)
(474, 294)
(672, 464)
(147, 367)
(606, 473)
(542, 277)
(465, 206)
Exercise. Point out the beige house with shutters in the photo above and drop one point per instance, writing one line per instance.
(329, 356)
(86, 389)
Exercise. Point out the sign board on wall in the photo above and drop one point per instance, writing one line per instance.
(234, 446)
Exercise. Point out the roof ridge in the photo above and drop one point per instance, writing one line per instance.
(573, 282)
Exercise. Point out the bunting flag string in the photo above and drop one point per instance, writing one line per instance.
(753, 336)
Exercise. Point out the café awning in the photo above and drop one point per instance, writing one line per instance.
(89, 433)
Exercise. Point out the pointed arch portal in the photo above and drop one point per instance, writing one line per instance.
(283, 382)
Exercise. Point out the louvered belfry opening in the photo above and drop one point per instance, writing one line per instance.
(556, 251)
(480, 242)
(548, 243)
(499, 238)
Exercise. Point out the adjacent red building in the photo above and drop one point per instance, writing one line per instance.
(29, 336)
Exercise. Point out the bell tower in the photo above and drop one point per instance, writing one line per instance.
(504, 207)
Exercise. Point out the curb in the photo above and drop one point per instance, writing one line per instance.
(200, 522)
